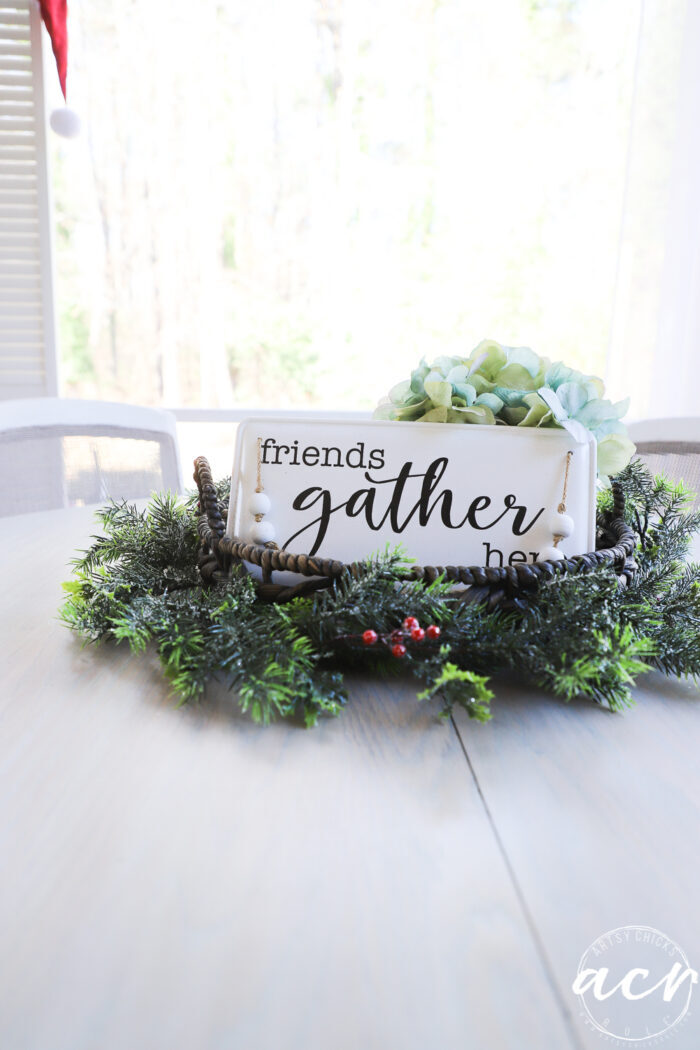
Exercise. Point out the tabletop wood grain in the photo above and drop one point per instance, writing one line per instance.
(182, 878)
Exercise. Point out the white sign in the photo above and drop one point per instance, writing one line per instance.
(449, 494)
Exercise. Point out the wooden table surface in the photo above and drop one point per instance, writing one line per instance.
(181, 878)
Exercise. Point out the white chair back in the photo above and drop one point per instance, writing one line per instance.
(57, 452)
(671, 447)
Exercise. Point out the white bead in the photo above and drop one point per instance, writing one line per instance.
(550, 554)
(65, 122)
(561, 525)
(258, 503)
(262, 532)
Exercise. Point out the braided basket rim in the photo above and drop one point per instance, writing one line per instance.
(495, 584)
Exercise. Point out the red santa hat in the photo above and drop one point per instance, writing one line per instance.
(64, 121)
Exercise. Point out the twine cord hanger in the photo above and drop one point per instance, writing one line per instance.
(562, 506)
(259, 485)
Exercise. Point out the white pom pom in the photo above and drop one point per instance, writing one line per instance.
(259, 503)
(263, 532)
(550, 554)
(65, 122)
(561, 525)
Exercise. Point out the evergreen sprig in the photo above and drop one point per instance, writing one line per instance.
(581, 635)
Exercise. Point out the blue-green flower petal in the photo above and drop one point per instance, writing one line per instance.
(509, 397)
(553, 403)
(435, 415)
(480, 414)
(614, 452)
(600, 410)
(573, 397)
(491, 400)
(515, 377)
(439, 392)
(523, 355)
(559, 373)
(465, 390)
(537, 411)
(401, 392)
(457, 374)
(489, 357)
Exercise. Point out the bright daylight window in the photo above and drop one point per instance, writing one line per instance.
(286, 204)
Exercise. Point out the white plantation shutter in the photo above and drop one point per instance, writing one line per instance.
(27, 326)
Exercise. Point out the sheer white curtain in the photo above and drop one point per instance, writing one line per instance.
(654, 352)
(675, 372)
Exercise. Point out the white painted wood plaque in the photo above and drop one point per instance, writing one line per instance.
(449, 494)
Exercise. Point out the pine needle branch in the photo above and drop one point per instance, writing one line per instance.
(138, 583)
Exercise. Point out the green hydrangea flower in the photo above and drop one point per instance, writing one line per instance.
(441, 393)
(513, 386)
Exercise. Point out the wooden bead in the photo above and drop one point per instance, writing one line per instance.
(550, 554)
(259, 503)
(263, 532)
(561, 525)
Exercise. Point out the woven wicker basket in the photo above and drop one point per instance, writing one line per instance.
(506, 587)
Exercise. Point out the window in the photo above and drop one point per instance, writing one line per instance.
(286, 204)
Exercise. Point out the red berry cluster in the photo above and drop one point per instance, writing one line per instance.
(410, 630)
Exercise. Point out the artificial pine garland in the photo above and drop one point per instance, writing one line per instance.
(579, 636)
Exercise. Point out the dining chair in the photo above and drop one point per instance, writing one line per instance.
(671, 447)
(60, 452)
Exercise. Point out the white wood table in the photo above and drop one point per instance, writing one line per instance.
(180, 878)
